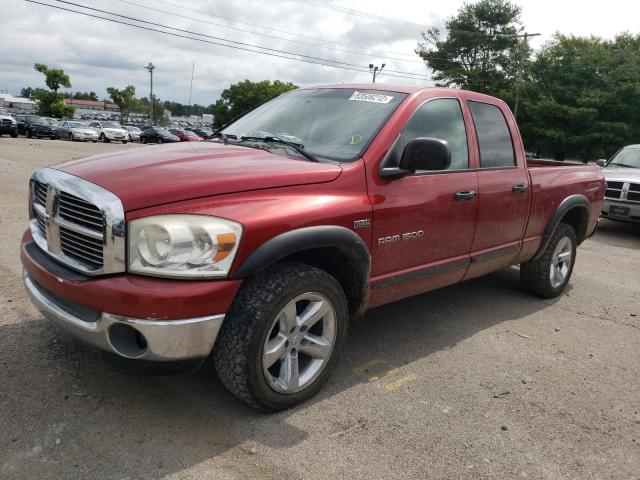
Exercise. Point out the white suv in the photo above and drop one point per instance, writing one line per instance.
(108, 131)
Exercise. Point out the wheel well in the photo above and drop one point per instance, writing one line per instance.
(350, 274)
(578, 218)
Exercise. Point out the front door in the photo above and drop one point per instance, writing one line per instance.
(423, 224)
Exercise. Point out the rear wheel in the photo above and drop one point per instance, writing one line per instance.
(144, 140)
(548, 276)
(70, 137)
(29, 134)
(282, 336)
(160, 140)
(14, 134)
(104, 138)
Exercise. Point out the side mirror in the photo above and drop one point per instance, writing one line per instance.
(431, 154)
(602, 163)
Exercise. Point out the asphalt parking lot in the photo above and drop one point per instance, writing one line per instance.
(473, 381)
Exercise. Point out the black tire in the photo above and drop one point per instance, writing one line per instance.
(160, 140)
(124, 142)
(14, 134)
(144, 140)
(103, 138)
(535, 275)
(238, 350)
(29, 134)
(70, 137)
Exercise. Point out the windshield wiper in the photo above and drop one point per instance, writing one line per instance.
(622, 165)
(298, 147)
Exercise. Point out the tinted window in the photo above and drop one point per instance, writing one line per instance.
(441, 118)
(494, 138)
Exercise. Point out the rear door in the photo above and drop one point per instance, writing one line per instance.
(422, 228)
(503, 190)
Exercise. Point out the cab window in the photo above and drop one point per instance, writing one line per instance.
(494, 138)
(440, 118)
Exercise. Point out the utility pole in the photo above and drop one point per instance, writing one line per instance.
(150, 67)
(524, 48)
(375, 71)
(193, 66)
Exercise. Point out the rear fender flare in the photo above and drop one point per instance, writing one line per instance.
(568, 204)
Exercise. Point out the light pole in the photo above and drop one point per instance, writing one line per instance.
(150, 67)
(375, 71)
(524, 49)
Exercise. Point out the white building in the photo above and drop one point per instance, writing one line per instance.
(9, 101)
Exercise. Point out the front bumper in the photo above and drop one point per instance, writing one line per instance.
(85, 136)
(133, 338)
(633, 211)
(115, 136)
(132, 316)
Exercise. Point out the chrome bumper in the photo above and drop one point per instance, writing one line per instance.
(152, 340)
(634, 211)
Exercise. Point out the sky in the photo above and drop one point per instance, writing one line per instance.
(98, 53)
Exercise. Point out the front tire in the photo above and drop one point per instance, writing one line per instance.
(282, 336)
(71, 139)
(548, 276)
(103, 138)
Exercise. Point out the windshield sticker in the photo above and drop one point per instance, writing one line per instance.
(370, 97)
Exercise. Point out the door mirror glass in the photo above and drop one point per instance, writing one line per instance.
(426, 154)
(601, 163)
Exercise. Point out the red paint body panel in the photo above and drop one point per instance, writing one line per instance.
(136, 296)
(272, 194)
(163, 174)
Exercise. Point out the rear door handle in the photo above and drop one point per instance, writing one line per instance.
(464, 196)
(520, 188)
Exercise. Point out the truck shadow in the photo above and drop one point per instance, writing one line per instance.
(64, 414)
(618, 234)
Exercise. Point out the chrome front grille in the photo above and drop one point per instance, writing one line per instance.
(624, 191)
(76, 210)
(614, 190)
(77, 222)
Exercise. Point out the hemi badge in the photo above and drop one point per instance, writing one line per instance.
(365, 223)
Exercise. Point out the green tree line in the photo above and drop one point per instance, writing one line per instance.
(578, 97)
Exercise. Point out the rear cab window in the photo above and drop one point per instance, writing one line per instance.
(494, 137)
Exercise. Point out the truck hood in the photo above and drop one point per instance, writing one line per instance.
(147, 176)
(622, 174)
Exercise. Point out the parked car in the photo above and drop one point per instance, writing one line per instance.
(108, 131)
(76, 131)
(134, 133)
(185, 135)
(259, 250)
(34, 126)
(622, 173)
(8, 124)
(157, 135)
(202, 133)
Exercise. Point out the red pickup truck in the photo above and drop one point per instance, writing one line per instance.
(257, 247)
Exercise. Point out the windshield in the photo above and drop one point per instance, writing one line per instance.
(110, 125)
(629, 157)
(77, 124)
(132, 129)
(334, 123)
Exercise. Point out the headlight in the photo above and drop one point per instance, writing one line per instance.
(193, 246)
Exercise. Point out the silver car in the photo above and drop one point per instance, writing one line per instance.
(72, 130)
(622, 173)
(134, 133)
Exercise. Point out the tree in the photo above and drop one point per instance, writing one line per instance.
(54, 77)
(481, 50)
(241, 97)
(27, 92)
(583, 97)
(50, 103)
(125, 99)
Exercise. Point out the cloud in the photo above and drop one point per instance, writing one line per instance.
(97, 53)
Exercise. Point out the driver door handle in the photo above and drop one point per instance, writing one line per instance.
(520, 188)
(464, 195)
